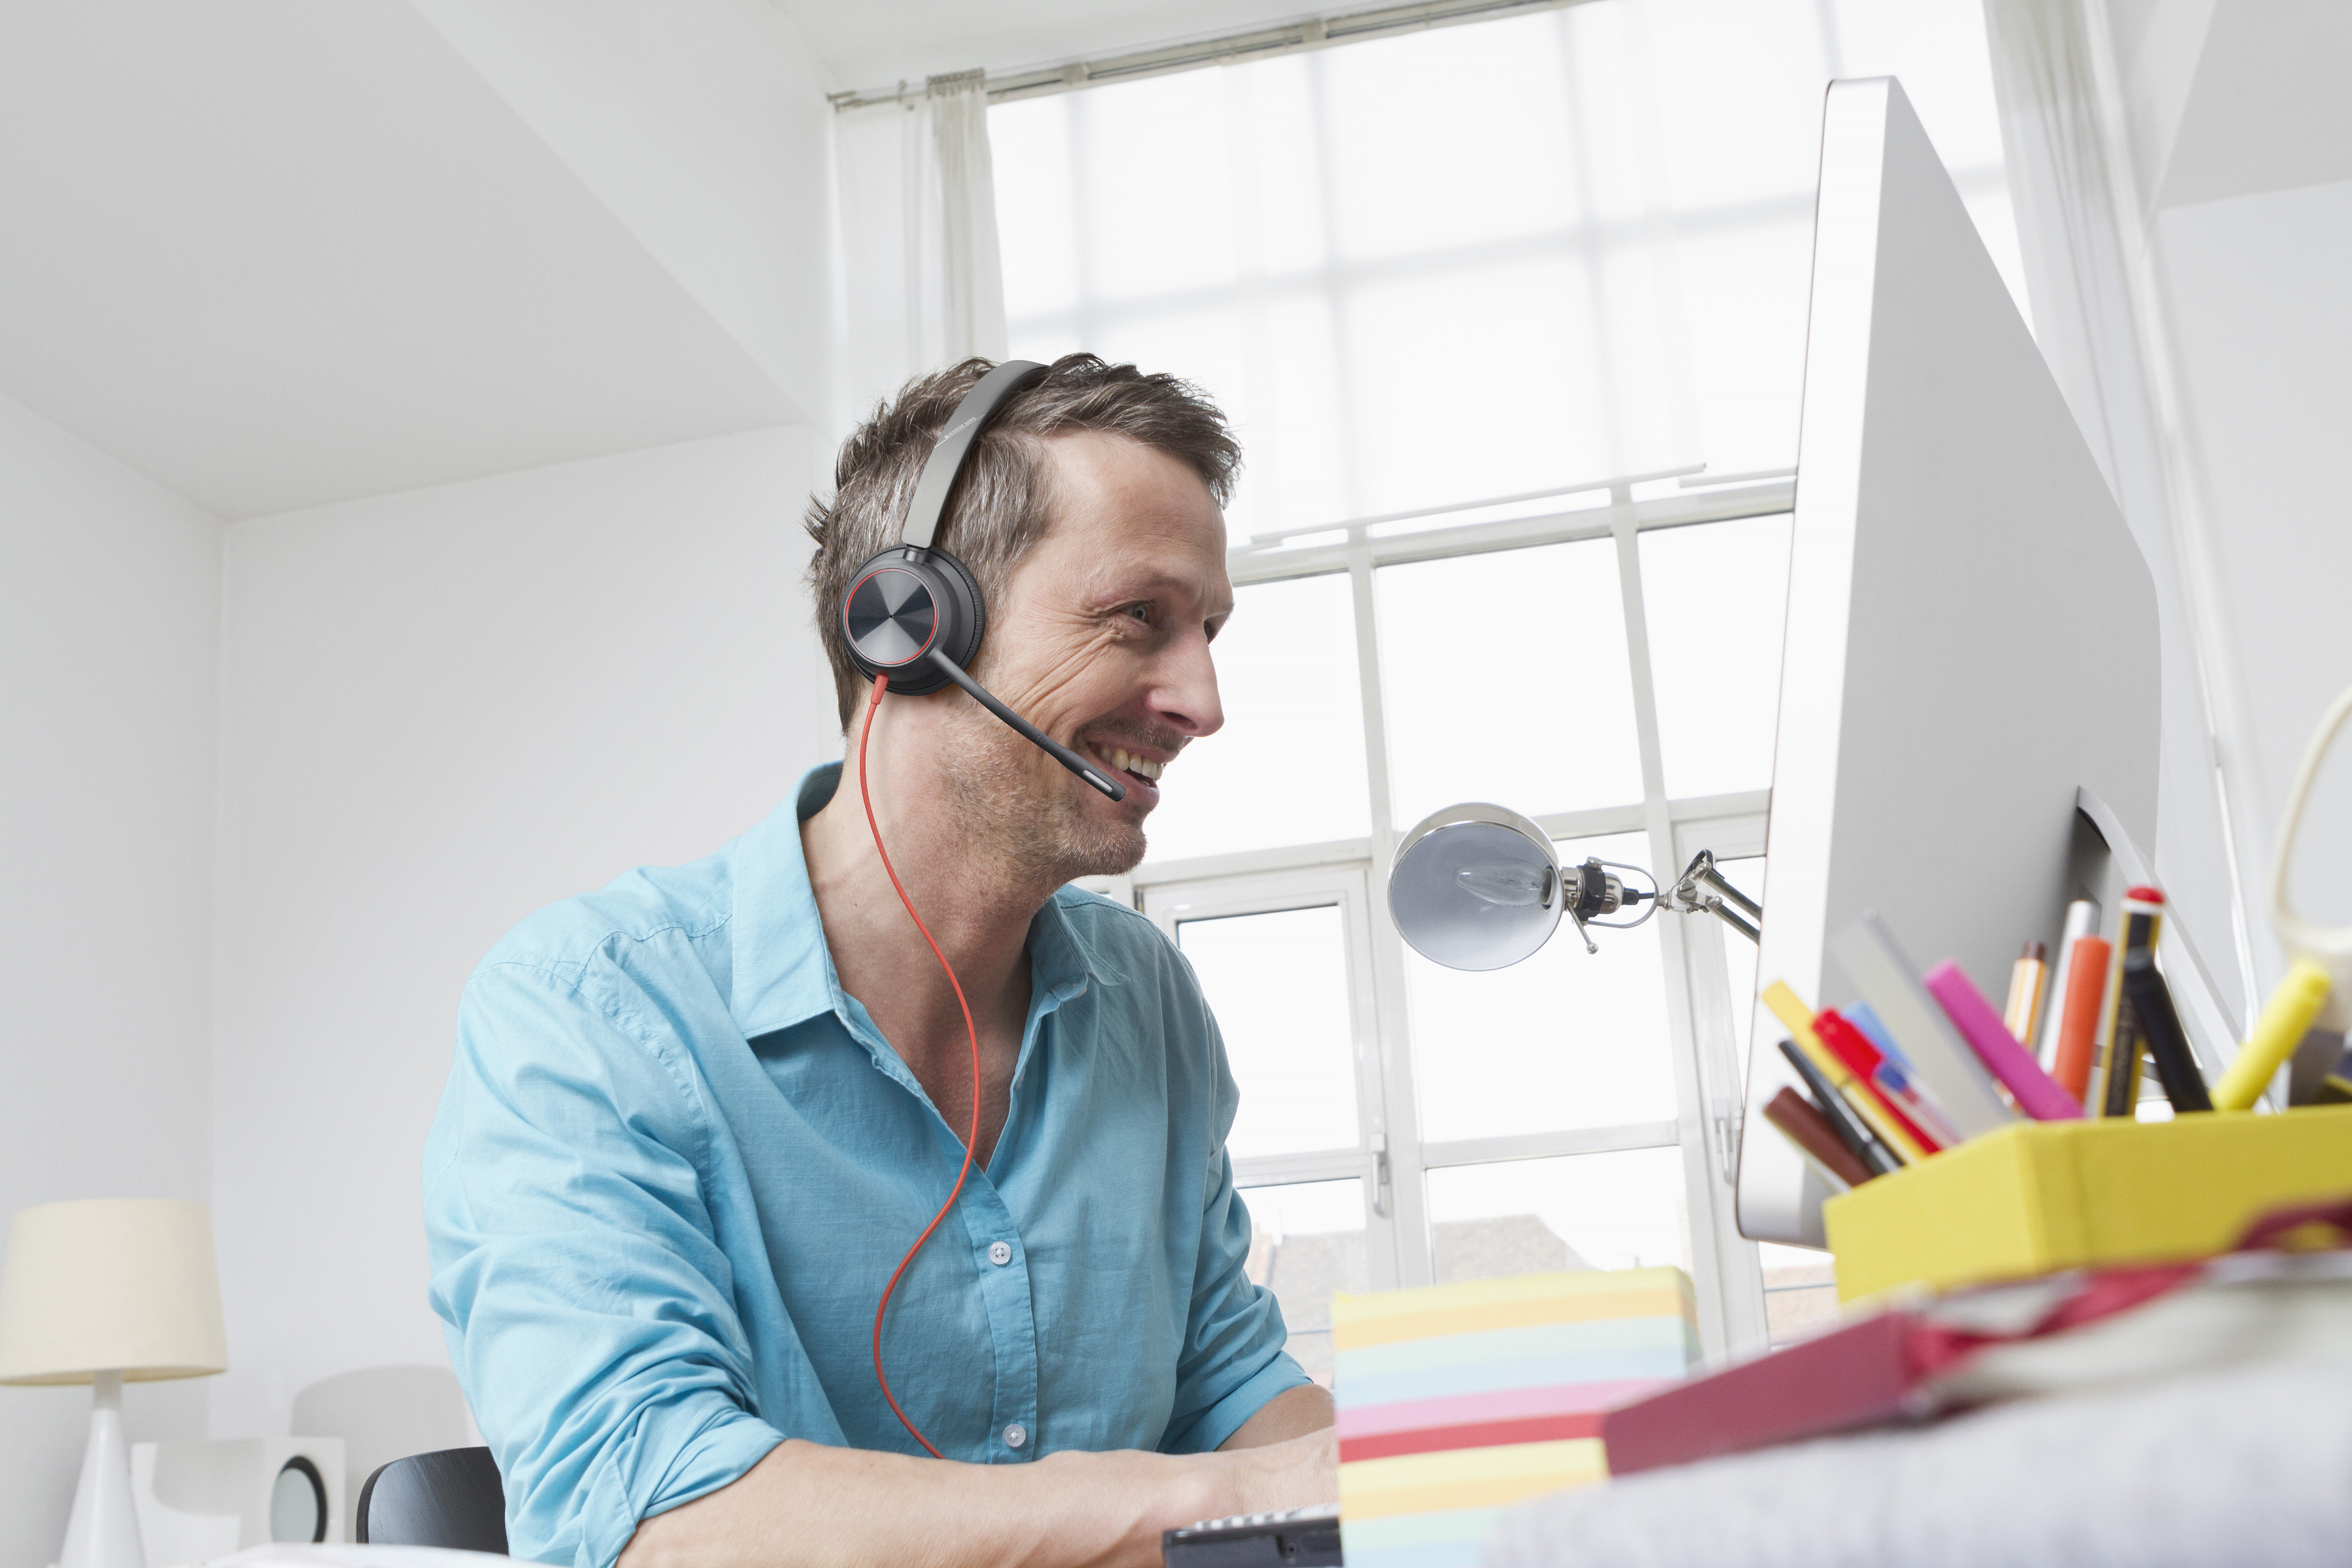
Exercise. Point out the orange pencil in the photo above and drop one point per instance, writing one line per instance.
(2086, 1000)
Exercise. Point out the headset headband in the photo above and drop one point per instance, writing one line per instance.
(945, 461)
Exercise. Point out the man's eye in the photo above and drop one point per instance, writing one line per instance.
(1141, 611)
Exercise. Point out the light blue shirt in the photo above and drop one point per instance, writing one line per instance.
(676, 1164)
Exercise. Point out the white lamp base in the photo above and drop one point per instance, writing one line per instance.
(103, 1530)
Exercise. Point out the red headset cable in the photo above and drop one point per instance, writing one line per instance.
(972, 1140)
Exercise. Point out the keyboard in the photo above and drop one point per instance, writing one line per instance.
(1286, 1538)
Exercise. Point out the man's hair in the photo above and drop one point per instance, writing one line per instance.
(1001, 502)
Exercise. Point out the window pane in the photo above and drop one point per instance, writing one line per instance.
(1289, 766)
(1306, 1240)
(1627, 189)
(1715, 598)
(1505, 678)
(1278, 984)
(1567, 1038)
(1624, 1210)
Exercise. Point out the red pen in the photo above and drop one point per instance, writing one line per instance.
(1905, 1103)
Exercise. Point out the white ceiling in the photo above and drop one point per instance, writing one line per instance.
(274, 253)
(880, 42)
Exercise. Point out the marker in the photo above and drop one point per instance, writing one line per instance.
(1799, 1020)
(2115, 1081)
(2079, 1009)
(2036, 1093)
(1851, 1131)
(1895, 1088)
(2159, 1022)
(2081, 920)
(1861, 1017)
(2286, 1017)
(2028, 978)
(1816, 1139)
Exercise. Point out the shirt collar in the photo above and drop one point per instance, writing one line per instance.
(783, 971)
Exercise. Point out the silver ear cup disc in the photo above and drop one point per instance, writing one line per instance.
(890, 618)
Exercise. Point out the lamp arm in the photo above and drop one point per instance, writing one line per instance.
(1703, 889)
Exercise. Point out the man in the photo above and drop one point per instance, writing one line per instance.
(696, 1120)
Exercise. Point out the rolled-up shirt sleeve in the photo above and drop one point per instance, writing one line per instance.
(1234, 1360)
(588, 1303)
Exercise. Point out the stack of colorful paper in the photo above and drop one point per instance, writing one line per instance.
(1459, 1400)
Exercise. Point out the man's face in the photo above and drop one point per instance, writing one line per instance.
(1101, 640)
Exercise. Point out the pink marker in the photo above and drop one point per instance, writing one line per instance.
(2036, 1093)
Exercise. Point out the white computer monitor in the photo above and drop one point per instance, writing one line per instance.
(1971, 631)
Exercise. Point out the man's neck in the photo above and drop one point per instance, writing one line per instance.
(977, 905)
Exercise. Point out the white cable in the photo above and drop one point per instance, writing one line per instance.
(2330, 947)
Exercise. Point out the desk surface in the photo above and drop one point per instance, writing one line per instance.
(2242, 1466)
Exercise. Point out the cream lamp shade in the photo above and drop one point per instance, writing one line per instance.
(122, 1284)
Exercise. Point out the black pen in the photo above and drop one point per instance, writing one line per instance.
(2160, 1025)
(1851, 1129)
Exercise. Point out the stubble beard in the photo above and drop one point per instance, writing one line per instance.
(1038, 827)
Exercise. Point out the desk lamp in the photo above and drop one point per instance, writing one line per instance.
(1477, 886)
(101, 1292)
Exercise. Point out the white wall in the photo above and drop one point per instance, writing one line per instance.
(443, 709)
(110, 619)
(2255, 288)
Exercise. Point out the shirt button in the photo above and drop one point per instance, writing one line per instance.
(1000, 1252)
(1016, 1435)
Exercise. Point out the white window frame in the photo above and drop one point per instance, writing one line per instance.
(1317, 887)
(1702, 1038)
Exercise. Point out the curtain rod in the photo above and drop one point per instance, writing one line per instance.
(1314, 33)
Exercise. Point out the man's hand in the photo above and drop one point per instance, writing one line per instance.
(806, 1504)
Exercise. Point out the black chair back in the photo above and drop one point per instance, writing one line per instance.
(448, 1498)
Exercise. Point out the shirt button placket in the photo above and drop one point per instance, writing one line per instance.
(1003, 1283)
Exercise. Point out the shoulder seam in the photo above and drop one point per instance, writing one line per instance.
(550, 962)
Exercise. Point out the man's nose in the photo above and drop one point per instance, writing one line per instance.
(1185, 696)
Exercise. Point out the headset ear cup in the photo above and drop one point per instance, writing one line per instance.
(960, 637)
(951, 621)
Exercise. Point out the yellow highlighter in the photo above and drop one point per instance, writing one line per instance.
(1798, 1020)
(2286, 1019)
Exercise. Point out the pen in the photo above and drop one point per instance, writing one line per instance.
(2081, 920)
(1799, 1020)
(2027, 978)
(2115, 1080)
(2079, 1007)
(1894, 1091)
(1802, 1124)
(1851, 1131)
(2286, 1019)
(2159, 1022)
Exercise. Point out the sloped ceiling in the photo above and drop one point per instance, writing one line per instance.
(274, 253)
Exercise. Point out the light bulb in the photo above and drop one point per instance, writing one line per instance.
(1507, 882)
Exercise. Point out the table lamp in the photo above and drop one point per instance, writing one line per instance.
(100, 1292)
(1477, 886)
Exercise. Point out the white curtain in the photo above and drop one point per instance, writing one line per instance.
(923, 285)
(2083, 238)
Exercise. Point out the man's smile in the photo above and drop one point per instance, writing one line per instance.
(1140, 762)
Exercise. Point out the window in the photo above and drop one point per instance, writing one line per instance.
(1510, 319)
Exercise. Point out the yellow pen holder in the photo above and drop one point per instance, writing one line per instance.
(2039, 1196)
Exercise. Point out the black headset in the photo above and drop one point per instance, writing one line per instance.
(914, 613)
